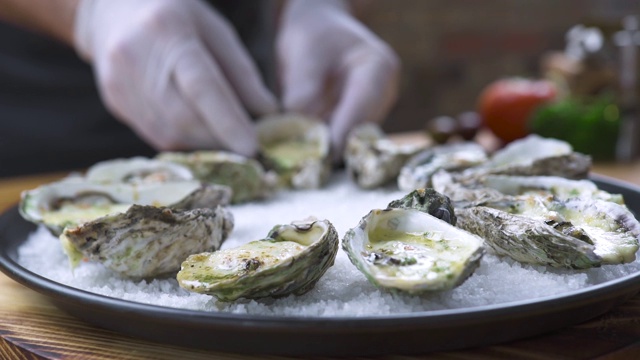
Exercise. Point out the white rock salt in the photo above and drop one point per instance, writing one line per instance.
(343, 290)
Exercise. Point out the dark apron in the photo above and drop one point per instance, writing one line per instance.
(51, 116)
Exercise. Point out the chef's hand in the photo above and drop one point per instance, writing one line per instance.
(332, 66)
(174, 71)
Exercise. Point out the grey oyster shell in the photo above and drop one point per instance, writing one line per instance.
(372, 159)
(575, 233)
(72, 201)
(418, 170)
(527, 240)
(409, 251)
(535, 155)
(136, 170)
(428, 201)
(290, 260)
(147, 241)
(246, 177)
(297, 148)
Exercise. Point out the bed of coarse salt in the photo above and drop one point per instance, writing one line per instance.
(343, 290)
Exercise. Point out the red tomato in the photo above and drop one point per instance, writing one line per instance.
(506, 105)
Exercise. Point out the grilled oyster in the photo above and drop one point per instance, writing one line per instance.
(147, 241)
(290, 260)
(535, 155)
(137, 170)
(72, 201)
(418, 170)
(428, 201)
(371, 159)
(406, 250)
(576, 233)
(296, 148)
(556, 186)
(245, 176)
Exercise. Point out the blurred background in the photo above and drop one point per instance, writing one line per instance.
(451, 50)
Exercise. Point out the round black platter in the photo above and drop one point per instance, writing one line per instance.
(414, 333)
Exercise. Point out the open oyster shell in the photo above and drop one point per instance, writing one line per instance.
(137, 170)
(556, 186)
(418, 170)
(371, 159)
(406, 250)
(147, 241)
(575, 233)
(535, 155)
(290, 260)
(246, 177)
(297, 148)
(72, 201)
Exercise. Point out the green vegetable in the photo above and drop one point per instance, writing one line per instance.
(590, 126)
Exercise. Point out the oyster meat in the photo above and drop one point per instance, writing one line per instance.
(246, 177)
(371, 159)
(418, 170)
(290, 260)
(407, 250)
(147, 241)
(297, 148)
(72, 201)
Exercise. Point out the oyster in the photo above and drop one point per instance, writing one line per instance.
(373, 160)
(535, 155)
(290, 260)
(406, 250)
(418, 170)
(147, 241)
(246, 177)
(428, 201)
(556, 186)
(72, 201)
(297, 148)
(576, 233)
(137, 170)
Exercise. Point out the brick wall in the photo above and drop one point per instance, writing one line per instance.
(451, 49)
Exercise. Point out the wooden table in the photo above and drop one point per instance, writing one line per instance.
(32, 328)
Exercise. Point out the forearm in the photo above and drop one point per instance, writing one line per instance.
(52, 17)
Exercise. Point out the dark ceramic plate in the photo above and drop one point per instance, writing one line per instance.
(413, 333)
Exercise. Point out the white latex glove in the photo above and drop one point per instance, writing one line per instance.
(174, 71)
(332, 66)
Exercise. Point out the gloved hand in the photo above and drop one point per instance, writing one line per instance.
(332, 66)
(174, 71)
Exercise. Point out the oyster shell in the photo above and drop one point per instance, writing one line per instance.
(575, 233)
(406, 250)
(556, 186)
(371, 159)
(147, 241)
(418, 170)
(246, 177)
(290, 260)
(72, 201)
(428, 201)
(297, 148)
(535, 155)
(136, 170)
